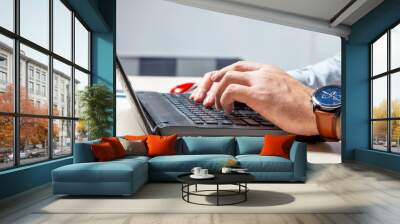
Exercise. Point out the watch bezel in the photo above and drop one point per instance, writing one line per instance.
(319, 105)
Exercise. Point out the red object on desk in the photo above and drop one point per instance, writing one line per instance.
(182, 88)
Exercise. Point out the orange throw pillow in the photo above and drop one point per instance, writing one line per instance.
(277, 145)
(161, 145)
(136, 138)
(116, 145)
(103, 152)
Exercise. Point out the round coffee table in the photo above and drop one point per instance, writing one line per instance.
(238, 179)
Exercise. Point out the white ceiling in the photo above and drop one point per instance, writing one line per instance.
(321, 9)
(333, 17)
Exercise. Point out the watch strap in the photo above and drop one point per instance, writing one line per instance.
(326, 124)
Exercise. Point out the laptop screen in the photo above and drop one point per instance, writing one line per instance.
(127, 100)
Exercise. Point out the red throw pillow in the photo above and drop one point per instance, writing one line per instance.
(116, 145)
(277, 145)
(161, 145)
(136, 137)
(103, 152)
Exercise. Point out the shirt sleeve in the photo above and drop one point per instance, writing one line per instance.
(327, 72)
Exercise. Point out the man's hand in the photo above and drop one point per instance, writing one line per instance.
(268, 90)
(204, 93)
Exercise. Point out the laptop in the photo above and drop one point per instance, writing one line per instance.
(167, 114)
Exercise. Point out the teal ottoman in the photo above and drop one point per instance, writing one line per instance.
(118, 177)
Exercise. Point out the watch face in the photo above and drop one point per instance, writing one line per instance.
(328, 97)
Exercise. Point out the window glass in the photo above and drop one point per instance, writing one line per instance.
(395, 136)
(62, 89)
(39, 62)
(81, 45)
(379, 56)
(395, 94)
(379, 97)
(379, 135)
(395, 47)
(81, 82)
(7, 14)
(62, 28)
(34, 20)
(6, 74)
(6, 142)
(33, 139)
(62, 138)
(81, 131)
(34, 80)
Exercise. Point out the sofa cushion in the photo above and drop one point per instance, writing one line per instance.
(185, 163)
(277, 145)
(249, 145)
(112, 171)
(135, 137)
(134, 147)
(83, 153)
(116, 145)
(257, 163)
(103, 152)
(161, 145)
(208, 145)
(133, 158)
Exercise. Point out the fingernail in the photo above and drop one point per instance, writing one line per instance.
(206, 100)
(196, 97)
(198, 100)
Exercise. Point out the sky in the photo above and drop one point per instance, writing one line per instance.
(35, 27)
(379, 65)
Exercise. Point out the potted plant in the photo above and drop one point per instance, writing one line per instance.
(96, 103)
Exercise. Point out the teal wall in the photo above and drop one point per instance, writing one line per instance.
(24, 178)
(100, 17)
(355, 83)
(104, 52)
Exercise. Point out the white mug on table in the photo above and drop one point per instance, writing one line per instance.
(203, 172)
(196, 171)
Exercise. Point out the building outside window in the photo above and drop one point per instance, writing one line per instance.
(44, 91)
(3, 78)
(3, 72)
(57, 129)
(37, 74)
(44, 77)
(30, 72)
(3, 61)
(38, 93)
(30, 87)
(3, 81)
(385, 91)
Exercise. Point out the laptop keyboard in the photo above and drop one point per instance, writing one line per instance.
(200, 115)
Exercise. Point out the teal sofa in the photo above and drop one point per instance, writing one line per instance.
(125, 176)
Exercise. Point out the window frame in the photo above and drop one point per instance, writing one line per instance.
(388, 74)
(16, 115)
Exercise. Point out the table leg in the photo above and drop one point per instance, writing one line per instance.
(245, 193)
(217, 194)
(188, 190)
(182, 188)
(195, 188)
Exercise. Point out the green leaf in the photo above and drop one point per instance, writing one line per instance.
(97, 102)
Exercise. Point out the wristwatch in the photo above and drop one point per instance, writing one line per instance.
(326, 105)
